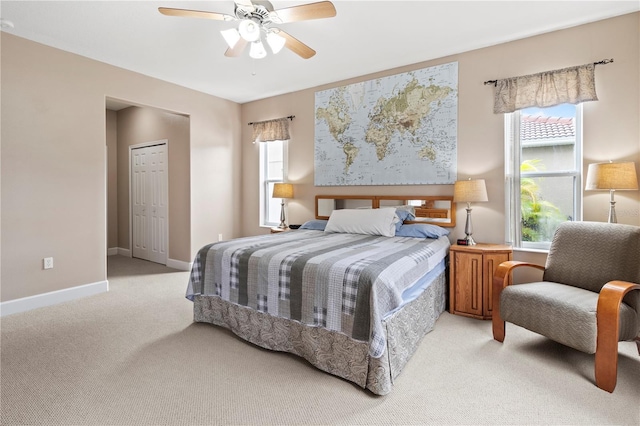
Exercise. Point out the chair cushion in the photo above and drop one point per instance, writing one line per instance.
(561, 312)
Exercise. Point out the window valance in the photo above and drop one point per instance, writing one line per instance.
(568, 85)
(271, 130)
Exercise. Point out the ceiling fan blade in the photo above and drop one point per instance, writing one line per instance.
(195, 14)
(265, 3)
(304, 12)
(295, 45)
(237, 49)
(245, 5)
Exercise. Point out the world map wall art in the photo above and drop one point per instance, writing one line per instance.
(396, 130)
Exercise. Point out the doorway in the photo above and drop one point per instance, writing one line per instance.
(149, 195)
(130, 127)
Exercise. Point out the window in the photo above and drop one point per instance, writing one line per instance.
(543, 164)
(272, 170)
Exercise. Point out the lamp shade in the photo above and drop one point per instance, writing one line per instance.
(282, 190)
(618, 176)
(470, 191)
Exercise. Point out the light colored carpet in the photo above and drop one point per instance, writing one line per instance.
(133, 356)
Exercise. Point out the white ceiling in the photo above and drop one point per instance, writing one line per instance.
(364, 37)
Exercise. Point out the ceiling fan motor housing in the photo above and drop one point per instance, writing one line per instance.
(259, 14)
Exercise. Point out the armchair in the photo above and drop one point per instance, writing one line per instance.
(589, 296)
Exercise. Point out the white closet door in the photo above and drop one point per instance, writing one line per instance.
(149, 203)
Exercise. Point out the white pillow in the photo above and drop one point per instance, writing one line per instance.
(360, 221)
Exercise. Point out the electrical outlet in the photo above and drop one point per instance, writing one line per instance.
(219, 237)
(48, 262)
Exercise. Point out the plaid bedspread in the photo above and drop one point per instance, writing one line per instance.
(343, 282)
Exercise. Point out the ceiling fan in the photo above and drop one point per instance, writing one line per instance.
(256, 19)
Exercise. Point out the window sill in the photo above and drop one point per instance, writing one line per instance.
(530, 250)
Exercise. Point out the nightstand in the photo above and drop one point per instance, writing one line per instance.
(276, 230)
(471, 277)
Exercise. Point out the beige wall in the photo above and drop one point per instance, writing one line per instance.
(611, 129)
(54, 176)
(140, 125)
(112, 178)
(53, 136)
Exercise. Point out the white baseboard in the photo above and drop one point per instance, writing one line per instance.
(118, 251)
(179, 264)
(171, 263)
(52, 298)
(124, 252)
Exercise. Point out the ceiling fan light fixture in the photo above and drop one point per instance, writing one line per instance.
(249, 30)
(275, 41)
(231, 36)
(257, 50)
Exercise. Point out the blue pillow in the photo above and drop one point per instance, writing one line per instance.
(421, 230)
(315, 225)
(403, 214)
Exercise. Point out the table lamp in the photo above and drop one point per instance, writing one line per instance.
(282, 190)
(614, 177)
(469, 191)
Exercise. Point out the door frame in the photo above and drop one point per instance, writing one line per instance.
(166, 230)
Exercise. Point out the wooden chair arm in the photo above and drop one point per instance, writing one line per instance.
(608, 326)
(504, 270)
(500, 281)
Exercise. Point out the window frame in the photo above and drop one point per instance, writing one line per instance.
(266, 182)
(513, 179)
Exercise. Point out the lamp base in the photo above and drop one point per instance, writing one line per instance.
(612, 208)
(468, 241)
(282, 225)
(468, 228)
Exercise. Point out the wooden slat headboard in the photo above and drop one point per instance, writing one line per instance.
(435, 209)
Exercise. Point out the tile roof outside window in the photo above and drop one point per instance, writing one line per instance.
(536, 128)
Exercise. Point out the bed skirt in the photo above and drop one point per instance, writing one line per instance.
(332, 351)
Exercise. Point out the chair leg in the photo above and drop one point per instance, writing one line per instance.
(606, 369)
(498, 327)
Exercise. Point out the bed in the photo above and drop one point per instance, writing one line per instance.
(352, 292)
